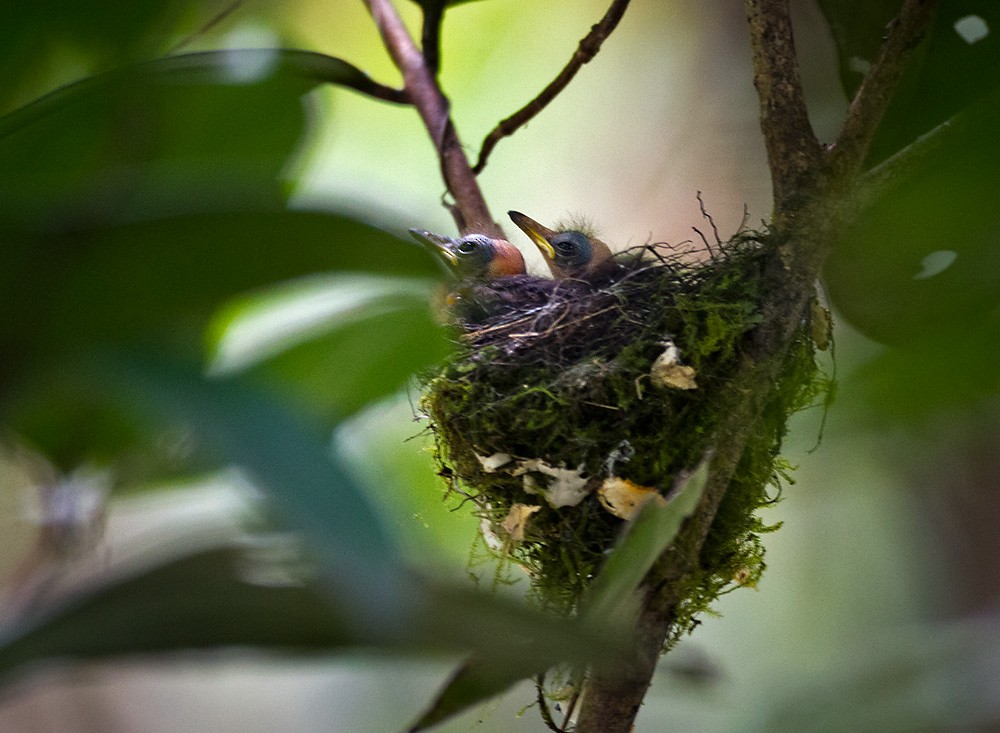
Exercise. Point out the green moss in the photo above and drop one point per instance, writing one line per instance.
(569, 384)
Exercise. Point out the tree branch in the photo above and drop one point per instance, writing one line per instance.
(585, 51)
(794, 154)
(849, 151)
(470, 210)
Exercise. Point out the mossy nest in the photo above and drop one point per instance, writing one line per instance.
(569, 405)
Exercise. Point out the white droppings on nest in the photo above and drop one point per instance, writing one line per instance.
(667, 372)
(494, 462)
(490, 536)
(563, 486)
(625, 499)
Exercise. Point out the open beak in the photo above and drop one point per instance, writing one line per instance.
(538, 234)
(441, 245)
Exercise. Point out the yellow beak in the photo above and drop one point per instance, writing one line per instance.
(538, 234)
(441, 244)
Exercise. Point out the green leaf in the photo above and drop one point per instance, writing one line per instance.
(158, 284)
(920, 261)
(954, 66)
(282, 452)
(226, 598)
(204, 601)
(927, 378)
(197, 132)
(611, 592)
(36, 36)
(371, 331)
(360, 570)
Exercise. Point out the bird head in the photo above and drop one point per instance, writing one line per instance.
(568, 253)
(474, 255)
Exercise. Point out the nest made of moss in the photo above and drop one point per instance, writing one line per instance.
(567, 405)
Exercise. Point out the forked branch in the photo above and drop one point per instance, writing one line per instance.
(470, 210)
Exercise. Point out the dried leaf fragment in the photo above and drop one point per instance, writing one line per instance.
(517, 520)
(625, 499)
(667, 372)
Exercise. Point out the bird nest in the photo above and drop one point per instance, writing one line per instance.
(569, 405)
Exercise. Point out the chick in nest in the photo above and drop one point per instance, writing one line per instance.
(492, 280)
(569, 253)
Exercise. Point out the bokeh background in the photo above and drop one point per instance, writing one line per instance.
(877, 608)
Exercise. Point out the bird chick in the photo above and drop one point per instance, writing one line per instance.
(491, 274)
(569, 254)
(474, 256)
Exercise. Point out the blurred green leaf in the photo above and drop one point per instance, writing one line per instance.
(921, 259)
(103, 34)
(158, 284)
(282, 452)
(919, 264)
(957, 63)
(369, 330)
(360, 570)
(214, 599)
(928, 377)
(199, 132)
(267, 600)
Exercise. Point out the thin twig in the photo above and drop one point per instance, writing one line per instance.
(471, 212)
(850, 149)
(585, 51)
(794, 154)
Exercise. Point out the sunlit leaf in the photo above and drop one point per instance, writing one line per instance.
(158, 284)
(337, 341)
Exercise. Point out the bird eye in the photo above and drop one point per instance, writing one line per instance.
(467, 247)
(572, 248)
